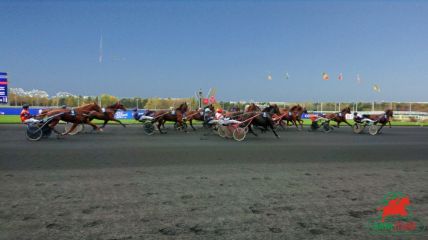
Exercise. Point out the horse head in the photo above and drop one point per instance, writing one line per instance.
(389, 113)
(211, 107)
(182, 108)
(293, 108)
(274, 109)
(304, 110)
(346, 110)
(120, 106)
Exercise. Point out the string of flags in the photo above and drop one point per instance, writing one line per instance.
(325, 76)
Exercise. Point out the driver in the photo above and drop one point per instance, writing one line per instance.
(219, 114)
(25, 113)
(141, 116)
(357, 117)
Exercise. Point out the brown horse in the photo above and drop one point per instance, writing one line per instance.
(108, 114)
(176, 116)
(199, 115)
(76, 116)
(383, 119)
(253, 108)
(339, 117)
(293, 115)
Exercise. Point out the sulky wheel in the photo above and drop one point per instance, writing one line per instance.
(239, 134)
(33, 133)
(326, 127)
(47, 131)
(358, 128)
(373, 130)
(148, 128)
(220, 131)
(314, 126)
(228, 130)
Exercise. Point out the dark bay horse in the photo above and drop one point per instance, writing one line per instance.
(108, 114)
(261, 119)
(76, 116)
(383, 119)
(339, 117)
(199, 115)
(175, 116)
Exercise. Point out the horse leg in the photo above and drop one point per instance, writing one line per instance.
(160, 123)
(191, 125)
(250, 129)
(381, 126)
(270, 123)
(182, 125)
(118, 121)
(71, 129)
(295, 124)
(389, 123)
(52, 126)
(346, 121)
(94, 127)
(104, 124)
(282, 124)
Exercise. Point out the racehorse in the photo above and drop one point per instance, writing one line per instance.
(340, 116)
(253, 108)
(198, 115)
(108, 114)
(381, 118)
(76, 116)
(293, 115)
(261, 119)
(175, 116)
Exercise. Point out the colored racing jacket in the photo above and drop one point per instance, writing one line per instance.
(25, 114)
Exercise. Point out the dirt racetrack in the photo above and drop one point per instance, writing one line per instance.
(122, 184)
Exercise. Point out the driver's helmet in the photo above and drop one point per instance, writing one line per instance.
(25, 106)
(64, 106)
(219, 110)
(135, 109)
(207, 110)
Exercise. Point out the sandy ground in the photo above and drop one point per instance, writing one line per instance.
(122, 184)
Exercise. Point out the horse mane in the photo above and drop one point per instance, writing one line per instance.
(182, 107)
(346, 109)
(114, 105)
(294, 108)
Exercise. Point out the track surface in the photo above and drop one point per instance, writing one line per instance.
(122, 184)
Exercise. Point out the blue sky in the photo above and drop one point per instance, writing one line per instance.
(173, 48)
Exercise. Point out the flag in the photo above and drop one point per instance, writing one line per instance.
(325, 76)
(340, 77)
(358, 79)
(376, 88)
(269, 77)
(212, 99)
